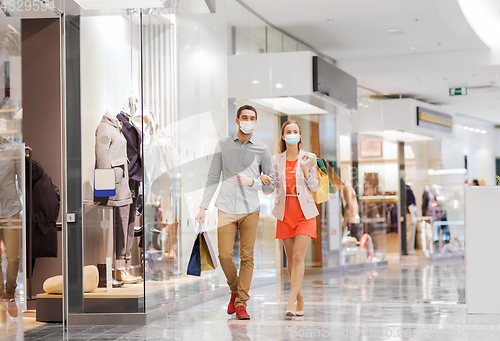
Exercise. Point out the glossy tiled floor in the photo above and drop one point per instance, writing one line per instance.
(412, 302)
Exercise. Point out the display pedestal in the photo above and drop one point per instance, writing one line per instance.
(128, 299)
(482, 252)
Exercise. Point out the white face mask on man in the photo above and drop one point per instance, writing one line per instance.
(247, 127)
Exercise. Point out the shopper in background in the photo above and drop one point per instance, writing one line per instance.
(10, 220)
(294, 207)
(240, 158)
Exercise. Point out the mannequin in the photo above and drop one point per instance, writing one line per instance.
(110, 149)
(411, 218)
(133, 136)
(351, 208)
(148, 124)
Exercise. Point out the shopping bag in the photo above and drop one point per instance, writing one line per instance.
(323, 192)
(194, 265)
(335, 181)
(322, 164)
(207, 255)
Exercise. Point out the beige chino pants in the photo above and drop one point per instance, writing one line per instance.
(228, 224)
(10, 233)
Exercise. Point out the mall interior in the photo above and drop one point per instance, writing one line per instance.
(111, 114)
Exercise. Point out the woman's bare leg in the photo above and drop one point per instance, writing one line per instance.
(289, 246)
(297, 274)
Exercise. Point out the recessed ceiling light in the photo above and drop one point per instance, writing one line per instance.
(471, 129)
(279, 86)
(255, 82)
(290, 105)
(414, 48)
(466, 128)
(477, 130)
(330, 21)
(483, 132)
(394, 30)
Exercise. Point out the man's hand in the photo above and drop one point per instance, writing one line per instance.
(243, 180)
(200, 217)
(266, 179)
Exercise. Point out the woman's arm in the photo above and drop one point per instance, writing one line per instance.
(312, 180)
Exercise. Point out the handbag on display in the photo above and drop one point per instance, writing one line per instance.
(202, 256)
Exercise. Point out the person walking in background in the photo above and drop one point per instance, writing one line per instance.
(240, 159)
(294, 207)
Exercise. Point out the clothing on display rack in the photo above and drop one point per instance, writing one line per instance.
(438, 214)
(133, 136)
(44, 212)
(411, 219)
(392, 217)
(425, 202)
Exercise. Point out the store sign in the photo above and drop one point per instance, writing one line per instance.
(458, 91)
(434, 120)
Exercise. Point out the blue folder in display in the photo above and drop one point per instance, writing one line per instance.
(104, 182)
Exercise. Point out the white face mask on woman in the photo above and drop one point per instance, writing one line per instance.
(247, 127)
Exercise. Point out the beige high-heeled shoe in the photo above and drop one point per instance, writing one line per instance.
(299, 313)
(290, 313)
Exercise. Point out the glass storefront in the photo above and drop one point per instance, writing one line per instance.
(430, 169)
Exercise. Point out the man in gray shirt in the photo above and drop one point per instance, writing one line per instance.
(241, 159)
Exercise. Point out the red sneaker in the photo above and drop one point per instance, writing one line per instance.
(230, 307)
(11, 305)
(241, 313)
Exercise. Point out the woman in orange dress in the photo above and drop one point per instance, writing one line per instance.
(294, 207)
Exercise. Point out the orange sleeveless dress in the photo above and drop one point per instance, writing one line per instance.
(294, 222)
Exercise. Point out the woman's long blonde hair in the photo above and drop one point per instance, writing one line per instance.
(282, 144)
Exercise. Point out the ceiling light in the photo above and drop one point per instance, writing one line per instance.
(483, 132)
(118, 4)
(471, 129)
(279, 86)
(447, 171)
(397, 135)
(477, 130)
(255, 82)
(413, 48)
(290, 106)
(466, 128)
(394, 30)
(482, 16)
